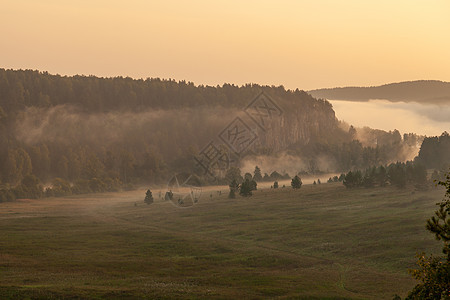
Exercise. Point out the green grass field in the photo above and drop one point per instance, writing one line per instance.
(320, 242)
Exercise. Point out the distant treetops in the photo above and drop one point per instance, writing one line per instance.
(398, 174)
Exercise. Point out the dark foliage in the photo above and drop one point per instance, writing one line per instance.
(257, 176)
(398, 174)
(435, 152)
(247, 187)
(296, 182)
(434, 272)
(148, 197)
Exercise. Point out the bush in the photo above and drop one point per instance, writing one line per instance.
(60, 187)
(97, 185)
(6, 195)
(81, 187)
(112, 184)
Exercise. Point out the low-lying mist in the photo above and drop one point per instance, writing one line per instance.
(425, 119)
(167, 140)
(286, 163)
(168, 129)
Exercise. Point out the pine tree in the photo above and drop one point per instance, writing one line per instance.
(296, 182)
(353, 179)
(397, 175)
(148, 197)
(257, 174)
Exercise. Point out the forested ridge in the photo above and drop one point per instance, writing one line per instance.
(422, 91)
(82, 134)
(25, 88)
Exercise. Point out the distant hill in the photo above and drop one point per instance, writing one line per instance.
(422, 91)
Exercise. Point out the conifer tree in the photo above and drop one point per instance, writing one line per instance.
(257, 176)
(148, 197)
(296, 182)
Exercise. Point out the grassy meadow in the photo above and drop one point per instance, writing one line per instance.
(319, 242)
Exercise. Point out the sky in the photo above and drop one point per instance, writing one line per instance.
(298, 44)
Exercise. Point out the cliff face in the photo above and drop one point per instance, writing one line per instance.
(299, 125)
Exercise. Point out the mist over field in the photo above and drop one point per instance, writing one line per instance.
(424, 119)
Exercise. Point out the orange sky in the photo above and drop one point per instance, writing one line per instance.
(304, 44)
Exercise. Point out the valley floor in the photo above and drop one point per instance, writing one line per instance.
(319, 242)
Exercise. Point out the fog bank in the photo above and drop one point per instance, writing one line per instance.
(429, 119)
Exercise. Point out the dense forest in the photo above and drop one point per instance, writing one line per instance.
(84, 134)
(435, 152)
(423, 91)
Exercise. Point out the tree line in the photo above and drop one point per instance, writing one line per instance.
(435, 152)
(249, 185)
(397, 174)
(25, 88)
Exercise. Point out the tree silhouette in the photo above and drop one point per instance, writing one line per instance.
(257, 176)
(148, 197)
(246, 188)
(296, 182)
